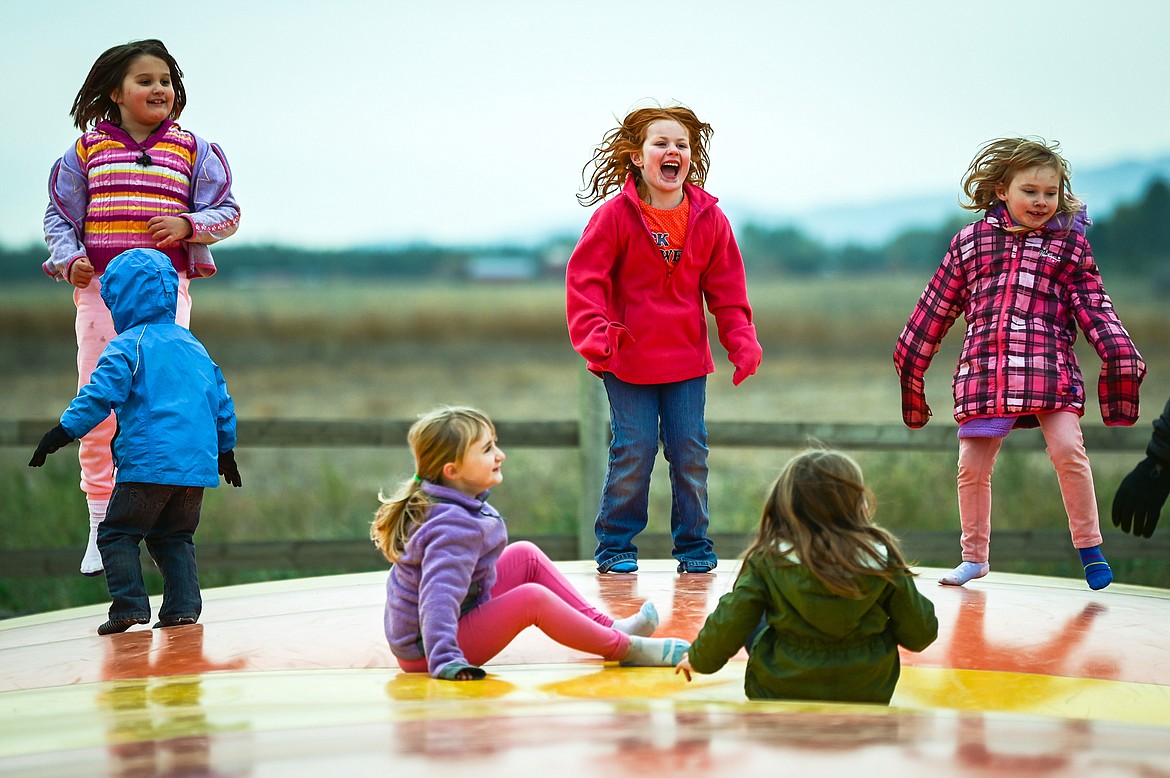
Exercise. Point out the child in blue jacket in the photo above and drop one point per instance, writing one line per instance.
(176, 436)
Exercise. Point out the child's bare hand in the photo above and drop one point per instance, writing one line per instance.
(168, 230)
(80, 272)
(684, 667)
(464, 675)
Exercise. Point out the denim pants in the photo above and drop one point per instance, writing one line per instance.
(641, 415)
(166, 517)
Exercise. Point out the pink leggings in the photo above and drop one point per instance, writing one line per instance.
(529, 592)
(95, 329)
(1066, 449)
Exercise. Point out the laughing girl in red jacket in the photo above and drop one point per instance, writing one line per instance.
(635, 291)
(1024, 278)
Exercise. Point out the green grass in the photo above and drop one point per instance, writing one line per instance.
(395, 350)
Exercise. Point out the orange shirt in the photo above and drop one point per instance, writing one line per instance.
(668, 228)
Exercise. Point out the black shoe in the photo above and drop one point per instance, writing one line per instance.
(181, 621)
(114, 626)
(696, 567)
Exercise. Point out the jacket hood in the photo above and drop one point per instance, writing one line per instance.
(140, 286)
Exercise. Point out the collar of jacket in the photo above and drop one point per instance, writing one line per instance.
(998, 216)
(476, 504)
(115, 131)
(700, 199)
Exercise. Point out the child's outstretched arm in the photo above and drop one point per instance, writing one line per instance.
(108, 387)
(684, 667)
(937, 308)
(1122, 367)
(736, 618)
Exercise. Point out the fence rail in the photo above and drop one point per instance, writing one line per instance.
(376, 433)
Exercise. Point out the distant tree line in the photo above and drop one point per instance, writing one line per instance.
(1133, 239)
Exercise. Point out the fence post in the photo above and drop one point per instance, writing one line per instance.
(593, 456)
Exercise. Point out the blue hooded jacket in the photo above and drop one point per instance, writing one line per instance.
(174, 413)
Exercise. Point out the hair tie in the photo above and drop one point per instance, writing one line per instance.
(417, 480)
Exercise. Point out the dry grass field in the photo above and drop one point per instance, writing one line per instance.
(378, 351)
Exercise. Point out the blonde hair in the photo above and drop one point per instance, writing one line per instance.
(999, 161)
(611, 160)
(439, 437)
(821, 511)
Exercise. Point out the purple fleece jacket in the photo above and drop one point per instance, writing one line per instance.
(447, 568)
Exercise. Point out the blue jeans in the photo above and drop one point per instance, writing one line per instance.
(166, 517)
(640, 415)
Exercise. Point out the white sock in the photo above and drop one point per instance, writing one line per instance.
(965, 572)
(655, 652)
(643, 623)
(91, 563)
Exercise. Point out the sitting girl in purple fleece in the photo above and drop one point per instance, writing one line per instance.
(458, 593)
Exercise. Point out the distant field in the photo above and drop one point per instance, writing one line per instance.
(355, 350)
(360, 351)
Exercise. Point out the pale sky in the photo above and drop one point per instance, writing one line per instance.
(468, 121)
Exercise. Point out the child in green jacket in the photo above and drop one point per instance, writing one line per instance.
(823, 598)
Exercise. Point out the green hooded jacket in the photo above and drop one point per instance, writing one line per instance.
(814, 645)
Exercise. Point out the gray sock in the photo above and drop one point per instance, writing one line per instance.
(966, 571)
(642, 623)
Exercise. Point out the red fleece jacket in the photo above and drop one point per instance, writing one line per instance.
(635, 315)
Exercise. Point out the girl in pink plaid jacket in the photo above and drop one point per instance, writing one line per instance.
(1024, 278)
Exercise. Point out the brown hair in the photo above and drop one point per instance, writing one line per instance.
(820, 512)
(440, 436)
(93, 103)
(611, 161)
(998, 162)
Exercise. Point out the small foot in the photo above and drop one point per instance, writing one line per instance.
(966, 571)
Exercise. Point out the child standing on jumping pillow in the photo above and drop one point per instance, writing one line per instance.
(1023, 277)
(134, 179)
(636, 285)
(176, 436)
(459, 592)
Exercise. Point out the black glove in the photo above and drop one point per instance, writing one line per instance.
(228, 469)
(53, 440)
(1139, 500)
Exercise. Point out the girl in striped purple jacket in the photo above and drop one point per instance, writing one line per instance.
(1024, 279)
(134, 179)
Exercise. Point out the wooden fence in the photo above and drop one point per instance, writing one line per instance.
(589, 435)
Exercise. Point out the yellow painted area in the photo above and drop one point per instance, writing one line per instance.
(1038, 695)
(137, 710)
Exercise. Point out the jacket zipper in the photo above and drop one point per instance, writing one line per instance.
(1000, 392)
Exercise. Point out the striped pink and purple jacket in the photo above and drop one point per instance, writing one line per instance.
(100, 200)
(1022, 295)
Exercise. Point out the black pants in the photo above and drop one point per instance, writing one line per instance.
(166, 518)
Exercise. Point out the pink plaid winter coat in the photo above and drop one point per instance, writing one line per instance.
(1022, 294)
